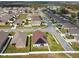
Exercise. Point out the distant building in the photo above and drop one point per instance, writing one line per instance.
(19, 40)
(36, 20)
(4, 18)
(53, 7)
(3, 39)
(39, 39)
(18, 22)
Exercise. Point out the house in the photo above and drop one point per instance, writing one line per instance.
(54, 7)
(3, 39)
(18, 22)
(36, 20)
(19, 40)
(4, 18)
(39, 38)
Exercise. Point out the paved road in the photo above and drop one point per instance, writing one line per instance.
(66, 24)
(61, 40)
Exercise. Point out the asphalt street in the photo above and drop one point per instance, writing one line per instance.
(72, 29)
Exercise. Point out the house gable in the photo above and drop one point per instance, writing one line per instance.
(40, 41)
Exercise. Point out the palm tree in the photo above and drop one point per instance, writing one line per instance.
(6, 23)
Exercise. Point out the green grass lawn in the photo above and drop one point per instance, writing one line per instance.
(13, 49)
(63, 30)
(5, 26)
(41, 26)
(11, 33)
(9, 56)
(22, 16)
(52, 43)
(41, 48)
(69, 36)
(28, 33)
(75, 46)
(58, 25)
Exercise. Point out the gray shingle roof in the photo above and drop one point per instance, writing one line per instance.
(5, 18)
(3, 37)
(20, 39)
(18, 21)
(36, 18)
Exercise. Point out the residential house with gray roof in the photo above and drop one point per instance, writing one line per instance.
(3, 39)
(19, 40)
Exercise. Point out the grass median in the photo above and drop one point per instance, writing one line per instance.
(53, 44)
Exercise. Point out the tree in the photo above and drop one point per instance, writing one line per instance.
(78, 15)
(6, 23)
(73, 15)
(23, 21)
(26, 21)
(11, 19)
(64, 11)
(54, 11)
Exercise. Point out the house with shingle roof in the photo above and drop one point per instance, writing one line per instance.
(36, 20)
(3, 39)
(18, 22)
(19, 40)
(39, 38)
(4, 18)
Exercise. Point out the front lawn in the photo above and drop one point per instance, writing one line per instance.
(58, 25)
(41, 26)
(13, 49)
(75, 46)
(41, 48)
(63, 30)
(5, 26)
(53, 44)
(68, 36)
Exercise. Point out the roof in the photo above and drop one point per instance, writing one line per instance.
(3, 37)
(18, 21)
(36, 18)
(37, 35)
(20, 39)
(5, 18)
